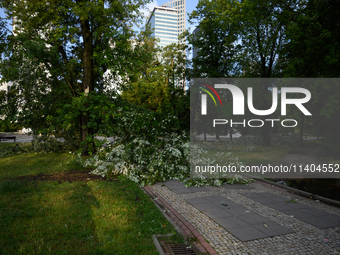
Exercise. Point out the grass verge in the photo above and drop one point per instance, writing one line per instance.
(35, 163)
(97, 217)
(260, 155)
(93, 217)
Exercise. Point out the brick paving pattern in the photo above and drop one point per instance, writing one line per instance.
(297, 236)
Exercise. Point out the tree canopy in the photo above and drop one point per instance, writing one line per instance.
(269, 39)
(58, 56)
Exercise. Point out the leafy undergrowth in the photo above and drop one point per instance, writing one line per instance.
(7, 144)
(97, 217)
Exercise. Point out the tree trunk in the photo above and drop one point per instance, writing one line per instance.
(265, 134)
(87, 78)
(217, 130)
(302, 125)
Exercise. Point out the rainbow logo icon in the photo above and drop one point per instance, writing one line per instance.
(213, 90)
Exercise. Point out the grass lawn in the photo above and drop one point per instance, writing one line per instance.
(35, 163)
(260, 155)
(94, 217)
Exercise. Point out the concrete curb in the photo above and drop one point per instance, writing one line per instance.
(180, 223)
(157, 244)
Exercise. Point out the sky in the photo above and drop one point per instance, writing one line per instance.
(3, 15)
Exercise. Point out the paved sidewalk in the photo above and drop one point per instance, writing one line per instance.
(250, 219)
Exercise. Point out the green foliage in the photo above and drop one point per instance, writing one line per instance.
(40, 144)
(214, 39)
(159, 83)
(7, 126)
(60, 54)
(148, 149)
(274, 39)
(314, 40)
(14, 150)
(46, 144)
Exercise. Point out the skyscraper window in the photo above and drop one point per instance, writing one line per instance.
(169, 18)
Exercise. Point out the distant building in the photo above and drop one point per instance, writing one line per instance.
(179, 5)
(195, 50)
(163, 22)
(168, 21)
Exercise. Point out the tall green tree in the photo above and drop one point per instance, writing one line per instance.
(159, 83)
(59, 54)
(313, 52)
(214, 38)
(314, 40)
(241, 39)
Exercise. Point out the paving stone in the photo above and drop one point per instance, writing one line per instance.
(206, 206)
(297, 213)
(179, 188)
(264, 200)
(252, 218)
(320, 213)
(215, 214)
(169, 182)
(236, 186)
(268, 195)
(231, 222)
(279, 206)
(334, 218)
(299, 206)
(277, 199)
(321, 223)
(252, 195)
(238, 211)
(292, 236)
(225, 203)
(271, 228)
(300, 211)
(247, 233)
(197, 200)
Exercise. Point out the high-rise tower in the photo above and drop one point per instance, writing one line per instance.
(179, 5)
(168, 22)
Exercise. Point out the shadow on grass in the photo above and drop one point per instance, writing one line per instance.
(32, 164)
(47, 218)
(97, 217)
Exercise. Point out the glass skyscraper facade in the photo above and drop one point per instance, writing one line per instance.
(168, 21)
(179, 5)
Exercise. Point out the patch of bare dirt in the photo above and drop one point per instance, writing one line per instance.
(69, 176)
